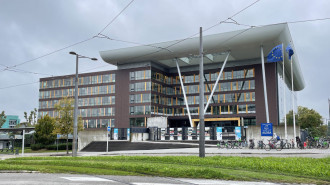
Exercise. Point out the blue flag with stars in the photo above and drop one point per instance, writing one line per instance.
(289, 50)
(275, 55)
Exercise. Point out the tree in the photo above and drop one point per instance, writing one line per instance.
(308, 119)
(2, 118)
(64, 121)
(44, 130)
(31, 119)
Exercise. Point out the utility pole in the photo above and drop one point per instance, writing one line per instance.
(201, 99)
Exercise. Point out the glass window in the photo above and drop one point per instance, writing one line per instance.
(106, 78)
(224, 109)
(228, 75)
(189, 79)
(241, 109)
(252, 85)
(251, 108)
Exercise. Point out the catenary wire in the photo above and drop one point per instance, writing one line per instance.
(116, 17)
(28, 61)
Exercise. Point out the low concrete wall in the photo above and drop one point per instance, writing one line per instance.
(136, 137)
(254, 132)
(86, 137)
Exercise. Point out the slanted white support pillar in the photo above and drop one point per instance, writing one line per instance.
(264, 82)
(216, 83)
(183, 91)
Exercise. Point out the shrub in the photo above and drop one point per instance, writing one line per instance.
(60, 146)
(37, 146)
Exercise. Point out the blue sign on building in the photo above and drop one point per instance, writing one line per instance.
(238, 134)
(266, 129)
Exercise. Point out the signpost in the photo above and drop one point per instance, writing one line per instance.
(267, 129)
(58, 136)
(108, 131)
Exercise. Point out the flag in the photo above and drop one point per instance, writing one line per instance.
(275, 55)
(289, 50)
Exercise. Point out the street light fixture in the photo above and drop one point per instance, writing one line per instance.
(75, 123)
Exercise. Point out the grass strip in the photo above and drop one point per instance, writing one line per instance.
(227, 168)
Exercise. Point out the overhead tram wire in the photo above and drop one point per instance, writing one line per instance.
(50, 53)
(182, 40)
(116, 17)
(18, 85)
(28, 61)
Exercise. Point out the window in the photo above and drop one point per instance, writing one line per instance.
(251, 108)
(241, 109)
(140, 75)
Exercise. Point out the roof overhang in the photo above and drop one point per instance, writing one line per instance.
(242, 44)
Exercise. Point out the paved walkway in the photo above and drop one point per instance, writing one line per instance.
(314, 153)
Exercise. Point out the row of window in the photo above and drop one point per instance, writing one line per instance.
(226, 75)
(99, 123)
(192, 89)
(96, 112)
(86, 80)
(105, 89)
(212, 110)
(107, 100)
(93, 112)
(140, 75)
(217, 98)
(140, 98)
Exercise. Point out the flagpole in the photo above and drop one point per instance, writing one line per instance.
(294, 119)
(264, 82)
(284, 102)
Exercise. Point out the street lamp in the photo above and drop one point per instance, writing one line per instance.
(75, 123)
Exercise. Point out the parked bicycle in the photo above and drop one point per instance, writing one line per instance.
(251, 141)
(272, 145)
(261, 144)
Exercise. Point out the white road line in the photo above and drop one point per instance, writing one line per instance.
(93, 179)
(142, 183)
(223, 182)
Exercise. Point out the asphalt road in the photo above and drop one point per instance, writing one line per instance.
(71, 179)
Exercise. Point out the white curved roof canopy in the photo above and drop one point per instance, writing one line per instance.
(243, 44)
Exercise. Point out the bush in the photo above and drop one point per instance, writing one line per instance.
(61, 146)
(37, 146)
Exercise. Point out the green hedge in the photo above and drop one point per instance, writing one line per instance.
(37, 146)
(61, 146)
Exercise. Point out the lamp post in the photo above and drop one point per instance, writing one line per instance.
(75, 115)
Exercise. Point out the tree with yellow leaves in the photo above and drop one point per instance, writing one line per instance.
(64, 120)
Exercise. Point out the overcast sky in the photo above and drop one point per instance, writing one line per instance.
(32, 28)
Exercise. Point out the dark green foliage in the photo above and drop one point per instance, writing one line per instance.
(308, 119)
(37, 146)
(2, 118)
(60, 146)
(44, 131)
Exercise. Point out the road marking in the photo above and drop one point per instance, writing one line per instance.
(142, 183)
(223, 182)
(95, 179)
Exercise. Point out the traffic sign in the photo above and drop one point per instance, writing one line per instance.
(108, 129)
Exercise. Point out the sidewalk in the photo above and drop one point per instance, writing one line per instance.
(210, 151)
